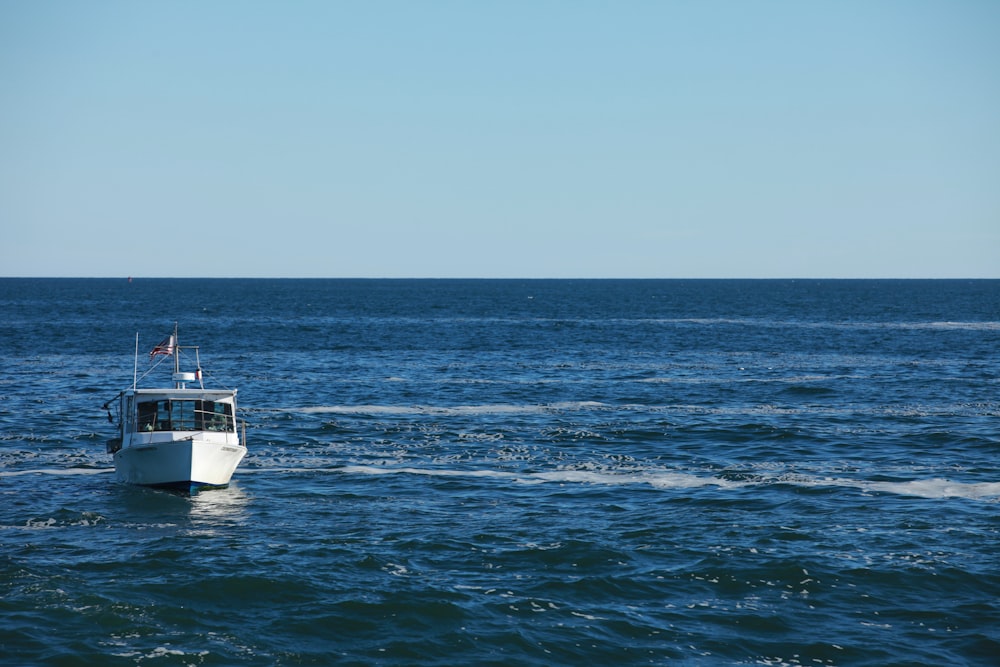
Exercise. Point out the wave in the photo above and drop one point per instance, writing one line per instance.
(933, 488)
(792, 385)
(967, 326)
(161, 652)
(766, 409)
(56, 471)
(455, 410)
(857, 325)
(937, 488)
(663, 480)
(782, 323)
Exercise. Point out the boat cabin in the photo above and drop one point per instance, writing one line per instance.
(145, 412)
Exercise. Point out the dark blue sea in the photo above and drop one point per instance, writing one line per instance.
(514, 472)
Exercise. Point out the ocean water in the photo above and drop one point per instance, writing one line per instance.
(514, 473)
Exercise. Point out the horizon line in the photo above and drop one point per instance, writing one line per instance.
(467, 278)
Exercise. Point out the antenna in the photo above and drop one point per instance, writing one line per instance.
(135, 362)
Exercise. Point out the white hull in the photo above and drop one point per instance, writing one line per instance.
(195, 460)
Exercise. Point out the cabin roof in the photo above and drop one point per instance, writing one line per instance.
(205, 394)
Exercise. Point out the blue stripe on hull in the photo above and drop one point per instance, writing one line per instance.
(185, 488)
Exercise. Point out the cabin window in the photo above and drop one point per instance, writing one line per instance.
(163, 416)
(147, 416)
(212, 416)
(184, 415)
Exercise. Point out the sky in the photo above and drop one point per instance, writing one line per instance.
(505, 139)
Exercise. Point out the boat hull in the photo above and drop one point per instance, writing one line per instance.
(192, 462)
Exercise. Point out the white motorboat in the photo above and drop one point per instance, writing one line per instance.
(182, 437)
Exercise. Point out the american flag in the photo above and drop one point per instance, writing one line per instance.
(166, 348)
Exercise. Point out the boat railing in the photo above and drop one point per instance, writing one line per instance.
(205, 421)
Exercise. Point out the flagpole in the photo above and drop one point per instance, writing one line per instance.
(176, 351)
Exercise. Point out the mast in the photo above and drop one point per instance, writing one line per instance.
(182, 378)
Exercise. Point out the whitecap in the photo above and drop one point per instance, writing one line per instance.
(933, 488)
(938, 488)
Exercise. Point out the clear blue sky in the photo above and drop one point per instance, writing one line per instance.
(500, 139)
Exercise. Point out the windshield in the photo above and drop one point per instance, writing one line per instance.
(185, 415)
